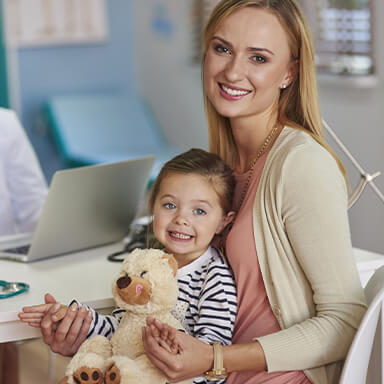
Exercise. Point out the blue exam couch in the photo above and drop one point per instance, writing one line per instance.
(105, 127)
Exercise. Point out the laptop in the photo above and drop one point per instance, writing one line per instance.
(85, 207)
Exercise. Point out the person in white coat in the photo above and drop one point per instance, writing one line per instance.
(22, 184)
(22, 193)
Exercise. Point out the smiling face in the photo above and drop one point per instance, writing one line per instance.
(247, 63)
(187, 215)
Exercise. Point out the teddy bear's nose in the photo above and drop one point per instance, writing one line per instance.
(123, 282)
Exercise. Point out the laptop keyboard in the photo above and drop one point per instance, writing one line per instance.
(23, 250)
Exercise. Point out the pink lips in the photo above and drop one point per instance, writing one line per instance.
(229, 97)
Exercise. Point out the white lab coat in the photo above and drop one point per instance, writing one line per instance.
(22, 184)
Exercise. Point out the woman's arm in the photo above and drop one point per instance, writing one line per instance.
(313, 208)
(66, 336)
(196, 357)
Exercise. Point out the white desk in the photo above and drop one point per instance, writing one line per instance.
(88, 277)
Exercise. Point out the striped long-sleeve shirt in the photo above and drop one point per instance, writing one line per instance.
(206, 306)
(208, 291)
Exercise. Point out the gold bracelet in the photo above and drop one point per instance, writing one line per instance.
(218, 372)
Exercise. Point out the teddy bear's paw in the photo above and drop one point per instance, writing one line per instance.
(85, 375)
(112, 375)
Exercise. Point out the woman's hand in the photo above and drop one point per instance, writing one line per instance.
(66, 336)
(193, 359)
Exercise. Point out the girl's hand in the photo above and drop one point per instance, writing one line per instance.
(165, 336)
(66, 336)
(33, 315)
(194, 359)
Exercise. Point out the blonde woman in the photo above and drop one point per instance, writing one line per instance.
(299, 294)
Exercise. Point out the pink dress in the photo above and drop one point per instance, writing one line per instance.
(255, 317)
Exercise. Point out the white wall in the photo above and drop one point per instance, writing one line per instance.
(172, 84)
(167, 77)
(356, 114)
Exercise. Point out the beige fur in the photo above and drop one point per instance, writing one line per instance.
(146, 286)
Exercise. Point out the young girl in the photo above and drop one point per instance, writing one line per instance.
(191, 202)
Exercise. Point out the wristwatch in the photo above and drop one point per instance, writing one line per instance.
(218, 372)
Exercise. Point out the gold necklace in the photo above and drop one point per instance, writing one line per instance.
(253, 163)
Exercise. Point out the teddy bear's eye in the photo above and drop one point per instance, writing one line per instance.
(143, 273)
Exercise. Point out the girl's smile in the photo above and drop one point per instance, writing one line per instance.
(177, 236)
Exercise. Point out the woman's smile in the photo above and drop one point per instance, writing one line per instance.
(232, 93)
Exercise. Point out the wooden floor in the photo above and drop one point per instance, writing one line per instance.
(37, 365)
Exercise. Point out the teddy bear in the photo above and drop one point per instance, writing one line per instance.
(146, 286)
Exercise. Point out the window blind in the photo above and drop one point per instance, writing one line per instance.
(343, 35)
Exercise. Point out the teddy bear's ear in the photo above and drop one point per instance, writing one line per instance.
(172, 262)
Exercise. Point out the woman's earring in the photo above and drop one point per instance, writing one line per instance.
(284, 86)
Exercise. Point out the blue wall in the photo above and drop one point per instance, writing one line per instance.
(47, 71)
(4, 100)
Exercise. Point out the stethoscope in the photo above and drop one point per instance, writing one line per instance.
(10, 288)
(133, 239)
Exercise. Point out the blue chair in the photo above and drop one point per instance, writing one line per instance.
(104, 127)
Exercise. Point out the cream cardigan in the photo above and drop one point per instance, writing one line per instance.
(304, 248)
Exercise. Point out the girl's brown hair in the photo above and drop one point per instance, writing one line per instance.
(298, 105)
(199, 162)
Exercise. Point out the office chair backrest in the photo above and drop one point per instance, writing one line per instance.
(364, 346)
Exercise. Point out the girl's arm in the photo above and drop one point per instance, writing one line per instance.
(103, 325)
(65, 328)
(217, 305)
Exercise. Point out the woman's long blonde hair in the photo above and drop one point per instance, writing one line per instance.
(298, 105)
